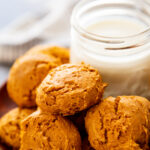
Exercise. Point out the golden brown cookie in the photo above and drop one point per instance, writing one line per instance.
(48, 132)
(26, 74)
(58, 52)
(121, 123)
(70, 88)
(10, 126)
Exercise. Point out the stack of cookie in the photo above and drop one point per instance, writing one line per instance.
(64, 94)
(65, 91)
(25, 76)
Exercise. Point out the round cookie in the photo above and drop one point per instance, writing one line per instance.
(48, 132)
(26, 74)
(10, 126)
(58, 52)
(70, 88)
(121, 123)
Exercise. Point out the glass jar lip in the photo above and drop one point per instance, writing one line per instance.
(96, 37)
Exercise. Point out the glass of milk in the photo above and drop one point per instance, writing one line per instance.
(114, 37)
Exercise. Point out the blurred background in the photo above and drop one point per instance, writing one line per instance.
(25, 23)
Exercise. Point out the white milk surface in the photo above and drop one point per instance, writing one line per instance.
(116, 27)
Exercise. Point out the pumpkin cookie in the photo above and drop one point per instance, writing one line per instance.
(48, 132)
(121, 123)
(58, 52)
(26, 74)
(70, 88)
(10, 126)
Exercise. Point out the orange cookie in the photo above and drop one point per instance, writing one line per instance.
(121, 123)
(10, 126)
(29, 70)
(58, 52)
(48, 132)
(70, 88)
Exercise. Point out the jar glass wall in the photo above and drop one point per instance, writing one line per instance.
(121, 54)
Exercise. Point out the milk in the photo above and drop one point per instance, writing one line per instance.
(116, 27)
(126, 71)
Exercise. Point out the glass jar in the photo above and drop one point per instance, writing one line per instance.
(123, 60)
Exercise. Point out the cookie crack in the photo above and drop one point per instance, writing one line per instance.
(101, 120)
(116, 105)
(105, 135)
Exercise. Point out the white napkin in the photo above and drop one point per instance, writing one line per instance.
(50, 23)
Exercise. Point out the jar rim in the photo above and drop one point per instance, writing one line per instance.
(101, 38)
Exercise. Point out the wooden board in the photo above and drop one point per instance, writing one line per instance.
(6, 104)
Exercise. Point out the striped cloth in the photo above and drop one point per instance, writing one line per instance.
(49, 25)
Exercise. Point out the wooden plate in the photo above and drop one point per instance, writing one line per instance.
(6, 104)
